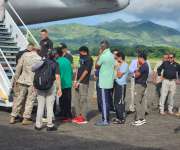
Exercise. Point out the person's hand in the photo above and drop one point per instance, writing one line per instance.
(178, 81)
(162, 78)
(59, 92)
(76, 85)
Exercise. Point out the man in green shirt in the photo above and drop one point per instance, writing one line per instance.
(66, 74)
(106, 63)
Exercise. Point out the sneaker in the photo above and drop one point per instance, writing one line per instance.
(76, 119)
(171, 113)
(12, 120)
(51, 128)
(139, 122)
(177, 114)
(37, 129)
(80, 120)
(162, 113)
(102, 123)
(27, 122)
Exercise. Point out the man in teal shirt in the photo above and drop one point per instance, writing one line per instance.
(106, 63)
(66, 74)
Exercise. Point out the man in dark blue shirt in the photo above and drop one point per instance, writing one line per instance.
(171, 71)
(141, 76)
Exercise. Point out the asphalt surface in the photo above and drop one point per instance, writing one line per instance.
(157, 134)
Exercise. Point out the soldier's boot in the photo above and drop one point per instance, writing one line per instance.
(27, 122)
(12, 120)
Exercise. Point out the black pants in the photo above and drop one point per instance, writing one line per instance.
(119, 101)
(65, 103)
(98, 92)
(105, 106)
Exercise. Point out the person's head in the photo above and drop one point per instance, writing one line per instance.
(115, 51)
(44, 34)
(84, 51)
(59, 51)
(64, 47)
(52, 54)
(30, 47)
(166, 57)
(120, 57)
(172, 57)
(142, 57)
(104, 45)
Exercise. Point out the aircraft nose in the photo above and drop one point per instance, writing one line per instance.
(123, 3)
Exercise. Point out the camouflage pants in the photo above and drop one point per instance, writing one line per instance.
(27, 96)
(16, 91)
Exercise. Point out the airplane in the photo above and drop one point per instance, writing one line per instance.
(40, 11)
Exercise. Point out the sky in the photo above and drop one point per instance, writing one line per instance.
(163, 12)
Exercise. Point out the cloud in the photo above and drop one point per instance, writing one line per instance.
(161, 11)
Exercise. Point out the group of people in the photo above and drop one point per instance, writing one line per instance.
(47, 74)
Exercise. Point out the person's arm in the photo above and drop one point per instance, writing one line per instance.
(58, 81)
(160, 68)
(98, 62)
(19, 68)
(50, 45)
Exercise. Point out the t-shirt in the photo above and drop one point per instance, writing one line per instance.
(66, 72)
(144, 70)
(106, 72)
(171, 70)
(45, 44)
(85, 64)
(124, 68)
(69, 57)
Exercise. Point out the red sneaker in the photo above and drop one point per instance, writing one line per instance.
(81, 120)
(76, 119)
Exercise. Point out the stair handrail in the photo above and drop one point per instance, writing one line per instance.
(24, 25)
(2, 53)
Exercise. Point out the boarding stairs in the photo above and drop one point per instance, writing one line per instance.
(12, 40)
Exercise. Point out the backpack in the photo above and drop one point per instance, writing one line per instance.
(44, 76)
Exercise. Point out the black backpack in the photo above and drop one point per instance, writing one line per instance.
(44, 76)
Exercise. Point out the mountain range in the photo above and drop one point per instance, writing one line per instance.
(118, 32)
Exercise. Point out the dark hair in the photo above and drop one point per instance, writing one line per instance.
(116, 50)
(63, 45)
(106, 43)
(142, 55)
(84, 49)
(59, 51)
(121, 54)
(44, 30)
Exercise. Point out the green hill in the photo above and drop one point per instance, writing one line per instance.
(117, 32)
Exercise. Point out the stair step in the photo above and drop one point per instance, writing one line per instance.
(8, 43)
(3, 29)
(6, 38)
(6, 48)
(2, 24)
(5, 33)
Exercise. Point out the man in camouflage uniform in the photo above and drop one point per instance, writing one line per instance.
(24, 77)
(15, 86)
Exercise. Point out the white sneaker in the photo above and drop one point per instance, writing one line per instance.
(139, 122)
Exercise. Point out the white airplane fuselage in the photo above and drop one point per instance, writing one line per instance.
(38, 11)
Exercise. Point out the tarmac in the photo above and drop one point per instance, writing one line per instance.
(157, 134)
